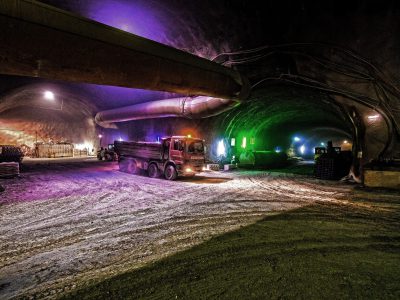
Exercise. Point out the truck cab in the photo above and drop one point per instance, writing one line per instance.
(186, 154)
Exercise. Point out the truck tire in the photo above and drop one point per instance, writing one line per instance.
(131, 166)
(122, 165)
(128, 166)
(153, 171)
(170, 172)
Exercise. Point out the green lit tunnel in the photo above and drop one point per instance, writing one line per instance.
(276, 120)
(272, 117)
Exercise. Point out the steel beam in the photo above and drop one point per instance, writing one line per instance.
(39, 40)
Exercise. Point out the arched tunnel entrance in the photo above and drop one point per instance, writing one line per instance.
(46, 113)
(287, 119)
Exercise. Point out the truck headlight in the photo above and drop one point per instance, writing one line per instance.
(188, 170)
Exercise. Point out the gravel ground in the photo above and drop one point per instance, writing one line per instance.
(69, 224)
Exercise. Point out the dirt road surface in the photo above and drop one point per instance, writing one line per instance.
(68, 224)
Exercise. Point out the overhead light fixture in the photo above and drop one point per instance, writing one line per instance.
(48, 95)
(373, 117)
(297, 139)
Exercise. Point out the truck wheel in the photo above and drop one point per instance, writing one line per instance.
(153, 171)
(131, 167)
(122, 165)
(170, 172)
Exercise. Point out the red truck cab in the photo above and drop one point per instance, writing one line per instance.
(186, 153)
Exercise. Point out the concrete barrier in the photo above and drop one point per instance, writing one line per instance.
(383, 179)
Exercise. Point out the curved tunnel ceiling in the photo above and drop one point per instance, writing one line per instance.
(27, 117)
(280, 105)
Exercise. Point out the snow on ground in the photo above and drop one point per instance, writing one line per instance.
(70, 223)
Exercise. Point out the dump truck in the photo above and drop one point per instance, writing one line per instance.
(172, 157)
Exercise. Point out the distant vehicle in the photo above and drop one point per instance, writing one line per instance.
(331, 162)
(318, 151)
(11, 154)
(263, 159)
(172, 157)
(107, 153)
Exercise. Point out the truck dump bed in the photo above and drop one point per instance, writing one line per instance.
(144, 150)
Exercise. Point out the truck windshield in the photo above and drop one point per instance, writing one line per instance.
(195, 147)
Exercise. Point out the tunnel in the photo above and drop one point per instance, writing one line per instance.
(250, 103)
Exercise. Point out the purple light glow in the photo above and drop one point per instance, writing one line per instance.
(136, 17)
(106, 97)
(56, 184)
(155, 20)
(171, 24)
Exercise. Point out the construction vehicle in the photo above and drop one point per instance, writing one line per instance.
(331, 162)
(263, 159)
(318, 151)
(10, 158)
(172, 157)
(107, 154)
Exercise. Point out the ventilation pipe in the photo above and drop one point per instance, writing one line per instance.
(187, 107)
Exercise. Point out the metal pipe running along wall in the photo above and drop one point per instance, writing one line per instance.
(188, 107)
(42, 41)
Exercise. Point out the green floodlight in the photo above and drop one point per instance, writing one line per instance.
(244, 142)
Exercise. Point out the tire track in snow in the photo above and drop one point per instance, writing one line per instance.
(119, 221)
